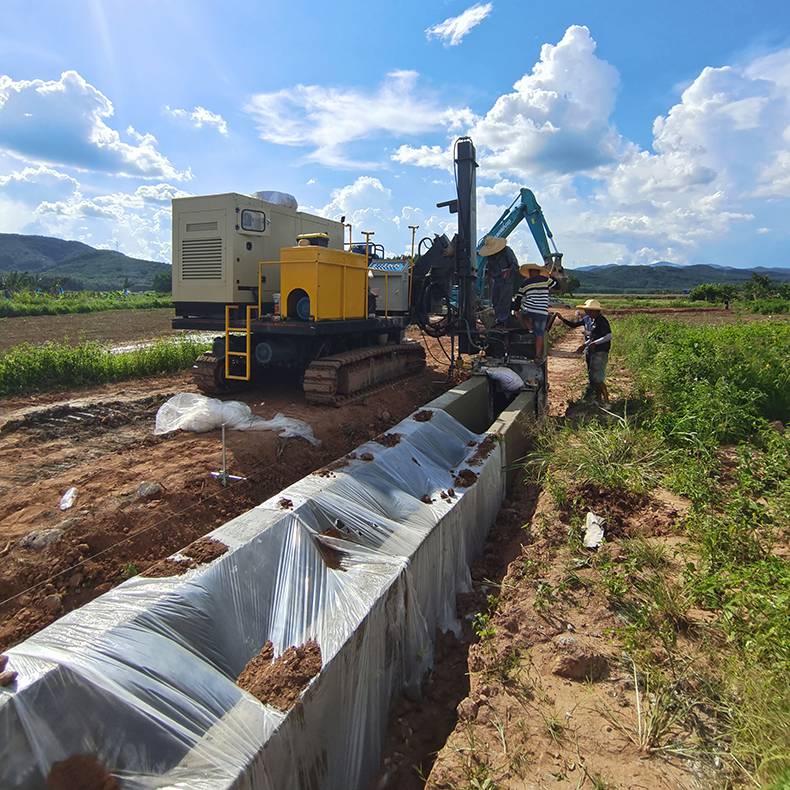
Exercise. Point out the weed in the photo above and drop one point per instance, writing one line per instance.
(129, 570)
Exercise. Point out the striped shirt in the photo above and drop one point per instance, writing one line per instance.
(535, 294)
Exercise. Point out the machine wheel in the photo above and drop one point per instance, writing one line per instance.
(208, 373)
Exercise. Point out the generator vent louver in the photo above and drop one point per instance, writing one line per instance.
(201, 259)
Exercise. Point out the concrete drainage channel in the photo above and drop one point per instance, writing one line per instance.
(361, 560)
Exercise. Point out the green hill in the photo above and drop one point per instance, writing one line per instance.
(101, 270)
(660, 277)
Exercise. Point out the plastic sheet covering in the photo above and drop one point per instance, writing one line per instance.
(143, 676)
(190, 412)
(278, 198)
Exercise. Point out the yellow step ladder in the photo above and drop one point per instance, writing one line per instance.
(236, 331)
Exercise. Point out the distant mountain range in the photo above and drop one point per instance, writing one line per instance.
(664, 276)
(101, 270)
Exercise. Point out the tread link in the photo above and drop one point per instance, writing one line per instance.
(346, 377)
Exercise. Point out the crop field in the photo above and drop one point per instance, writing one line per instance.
(34, 368)
(24, 303)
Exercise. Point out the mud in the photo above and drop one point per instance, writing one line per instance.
(485, 449)
(465, 478)
(81, 772)
(424, 415)
(388, 439)
(285, 504)
(279, 683)
(168, 567)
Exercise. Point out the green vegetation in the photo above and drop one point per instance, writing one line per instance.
(23, 303)
(661, 277)
(705, 627)
(760, 294)
(29, 368)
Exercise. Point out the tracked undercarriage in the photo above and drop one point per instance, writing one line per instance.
(332, 380)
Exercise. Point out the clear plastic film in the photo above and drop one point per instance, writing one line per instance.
(143, 677)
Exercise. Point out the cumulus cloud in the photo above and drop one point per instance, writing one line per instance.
(30, 183)
(716, 154)
(65, 122)
(328, 119)
(200, 117)
(452, 31)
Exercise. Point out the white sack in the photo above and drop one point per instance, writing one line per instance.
(188, 411)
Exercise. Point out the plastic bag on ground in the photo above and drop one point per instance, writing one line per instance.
(68, 499)
(188, 411)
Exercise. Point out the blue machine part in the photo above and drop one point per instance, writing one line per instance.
(524, 206)
(303, 308)
(395, 267)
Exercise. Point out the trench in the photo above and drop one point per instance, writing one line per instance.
(159, 656)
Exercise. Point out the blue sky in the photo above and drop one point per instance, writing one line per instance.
(647, 131)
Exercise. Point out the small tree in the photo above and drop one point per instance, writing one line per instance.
(163, 282)
(572, 285)
(713, 292)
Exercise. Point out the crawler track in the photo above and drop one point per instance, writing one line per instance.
(208, 373)
(346, 377)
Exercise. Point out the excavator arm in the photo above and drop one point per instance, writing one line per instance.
(525, 206)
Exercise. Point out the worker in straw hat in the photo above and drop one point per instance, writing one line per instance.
(534, 311)
(596, 345)
(501, 271)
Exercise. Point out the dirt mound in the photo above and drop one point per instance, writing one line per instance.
(198, 552)
(388, 439)
(485, 448)
(81, 772)
(205, 549)
(424, 415)
(465, 478)
(279, 683)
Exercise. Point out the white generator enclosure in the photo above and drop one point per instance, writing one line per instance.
(218, 241)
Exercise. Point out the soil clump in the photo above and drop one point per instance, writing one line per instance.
(81, 772)
(279, 683)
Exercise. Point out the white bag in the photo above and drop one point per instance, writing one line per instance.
(188, 411)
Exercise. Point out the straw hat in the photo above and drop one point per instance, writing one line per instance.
(526, 268)
(492, 245)
(590, 304)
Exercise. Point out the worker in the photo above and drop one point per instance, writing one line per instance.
(534, 312)
(596, 347)
(501, 270)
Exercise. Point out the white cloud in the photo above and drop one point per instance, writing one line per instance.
(455, 28)
(328, 119)
(716, 154)
(29, 183)
(200, 117)
(64, 122)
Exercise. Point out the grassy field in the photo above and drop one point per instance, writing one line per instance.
(668, 301)
(33, 368)
(699, 419)
(27, 303)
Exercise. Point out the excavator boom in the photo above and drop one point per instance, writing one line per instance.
(524, 206)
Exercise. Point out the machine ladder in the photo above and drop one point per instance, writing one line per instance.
(234, 330)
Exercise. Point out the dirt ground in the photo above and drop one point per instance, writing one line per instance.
(540, 700)
(101, 441)
(112, 326)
